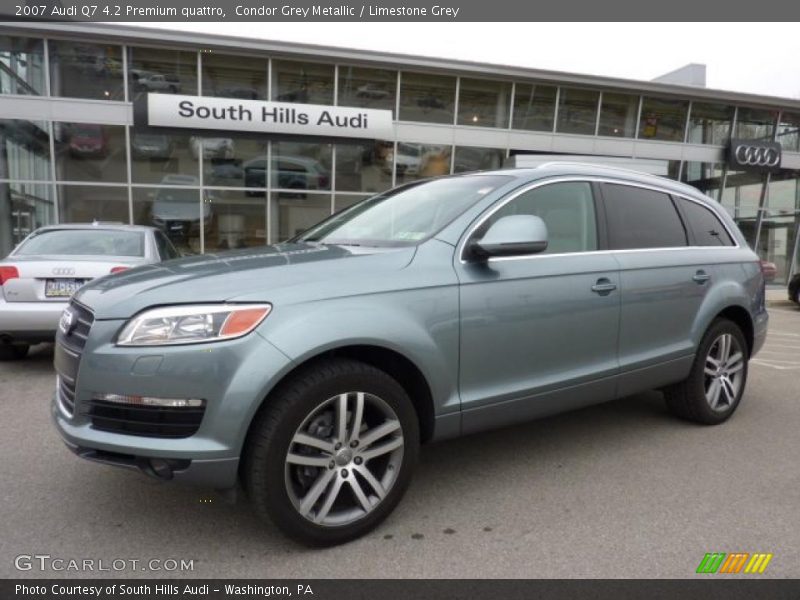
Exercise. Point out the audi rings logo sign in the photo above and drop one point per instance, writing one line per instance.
(751, 155)
(63, 271)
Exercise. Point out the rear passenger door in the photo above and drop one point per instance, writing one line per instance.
(663, 282)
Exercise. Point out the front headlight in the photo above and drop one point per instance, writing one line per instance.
(191, 324)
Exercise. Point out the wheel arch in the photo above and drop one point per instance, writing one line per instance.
(741, 317)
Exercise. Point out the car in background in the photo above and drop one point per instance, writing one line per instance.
(794, 289)
(151, 146)
(153, 82)
(288, 173)
(175, 210)
(212, 147)
(40, 275)
(88, 140)
(373, 91)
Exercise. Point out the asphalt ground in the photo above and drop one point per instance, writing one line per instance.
(617, 490)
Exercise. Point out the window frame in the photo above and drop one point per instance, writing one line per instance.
(687, 223)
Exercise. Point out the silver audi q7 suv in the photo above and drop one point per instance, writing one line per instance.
(312, 371)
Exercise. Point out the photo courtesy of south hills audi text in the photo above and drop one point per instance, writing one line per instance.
(154, 590)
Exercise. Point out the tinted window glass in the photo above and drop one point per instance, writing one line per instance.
(566, 208)
(165, 248)
(639, 218)
(706, 227)
(84, 242)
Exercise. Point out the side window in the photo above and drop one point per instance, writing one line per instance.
(705, 225)
(165, 248)
(566, 208)
(640, 218)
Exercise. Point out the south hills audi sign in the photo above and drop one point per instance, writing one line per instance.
(257, 116)
(753, 155)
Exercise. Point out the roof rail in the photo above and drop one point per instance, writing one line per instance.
(572, 163)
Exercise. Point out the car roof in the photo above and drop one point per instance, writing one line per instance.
(99, 225)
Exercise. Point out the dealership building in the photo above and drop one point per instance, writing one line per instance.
(228, 142)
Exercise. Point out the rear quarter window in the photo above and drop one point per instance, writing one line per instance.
(706, 227)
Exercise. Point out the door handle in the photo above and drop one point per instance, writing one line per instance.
(604, 286)
(701, 277)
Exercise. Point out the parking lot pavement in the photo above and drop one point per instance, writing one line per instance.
(618, 490)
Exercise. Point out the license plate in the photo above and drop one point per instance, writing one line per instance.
(62, 288)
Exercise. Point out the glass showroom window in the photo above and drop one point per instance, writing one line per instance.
(710, 123)
(292, 213)
(176, 211)
(162, 71)
(418, 161)
(364, 166)
(83, 70)
(90, 152)
(754, 124)
(618, 114)
(705, 176)
(468, 158)
(789, 131)
(367, 88)
(427, 98)
(87, 203)
(21, 66)
(23, 208)
(663, 119)
(300, 167)
(534, 107)
(342, 201)
(227, 76)
(231, 162)
(163, 158)
(483, 103)
(306, 83)
(236, 220)
(24, 150)
(577, 111)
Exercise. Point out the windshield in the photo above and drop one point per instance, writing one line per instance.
(404, 216)
(83, 242)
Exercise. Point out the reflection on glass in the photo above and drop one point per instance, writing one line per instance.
(534, 107)
(24, 207)
(754, 123)
(227, 76)
(236, 221)
(21, 66)
(342, 201)
(427, 98)
(468, 158)
(305, 83)
(710, 123)
(663, 119)
(618, 115)
(177, 212)
(298, 166)
(367, 88)
(90, 152)
(83, 70)
(226, 162)
(483, 103)
(24, 150)
(577, 111)
(160, 157)
(789, 131)
(418, 161)
(292, 214)
(87, 203)
(162, 71)
(364, 167)
(705, 176)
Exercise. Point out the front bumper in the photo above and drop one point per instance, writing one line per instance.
(233, 377)
(31, 322)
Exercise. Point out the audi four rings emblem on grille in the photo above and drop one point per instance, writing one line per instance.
(757, 156)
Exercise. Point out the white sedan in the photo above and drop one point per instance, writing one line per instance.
(40, 275)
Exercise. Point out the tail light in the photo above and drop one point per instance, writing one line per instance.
(119, 269)
(7, 273)
(768, 269)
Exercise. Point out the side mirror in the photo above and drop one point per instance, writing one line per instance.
(515, 235)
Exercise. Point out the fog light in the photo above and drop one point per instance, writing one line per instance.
(150, 401)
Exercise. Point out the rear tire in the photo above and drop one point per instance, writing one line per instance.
(359, 466)
(11, 351)
(714, 387)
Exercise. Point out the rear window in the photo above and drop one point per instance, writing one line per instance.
(84, 242)
(705, 225)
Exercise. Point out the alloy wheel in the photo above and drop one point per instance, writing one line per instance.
(724, 371)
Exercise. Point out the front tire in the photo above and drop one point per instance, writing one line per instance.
(332, 453)
(717, 380)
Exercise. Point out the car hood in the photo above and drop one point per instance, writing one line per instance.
(282, 273)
